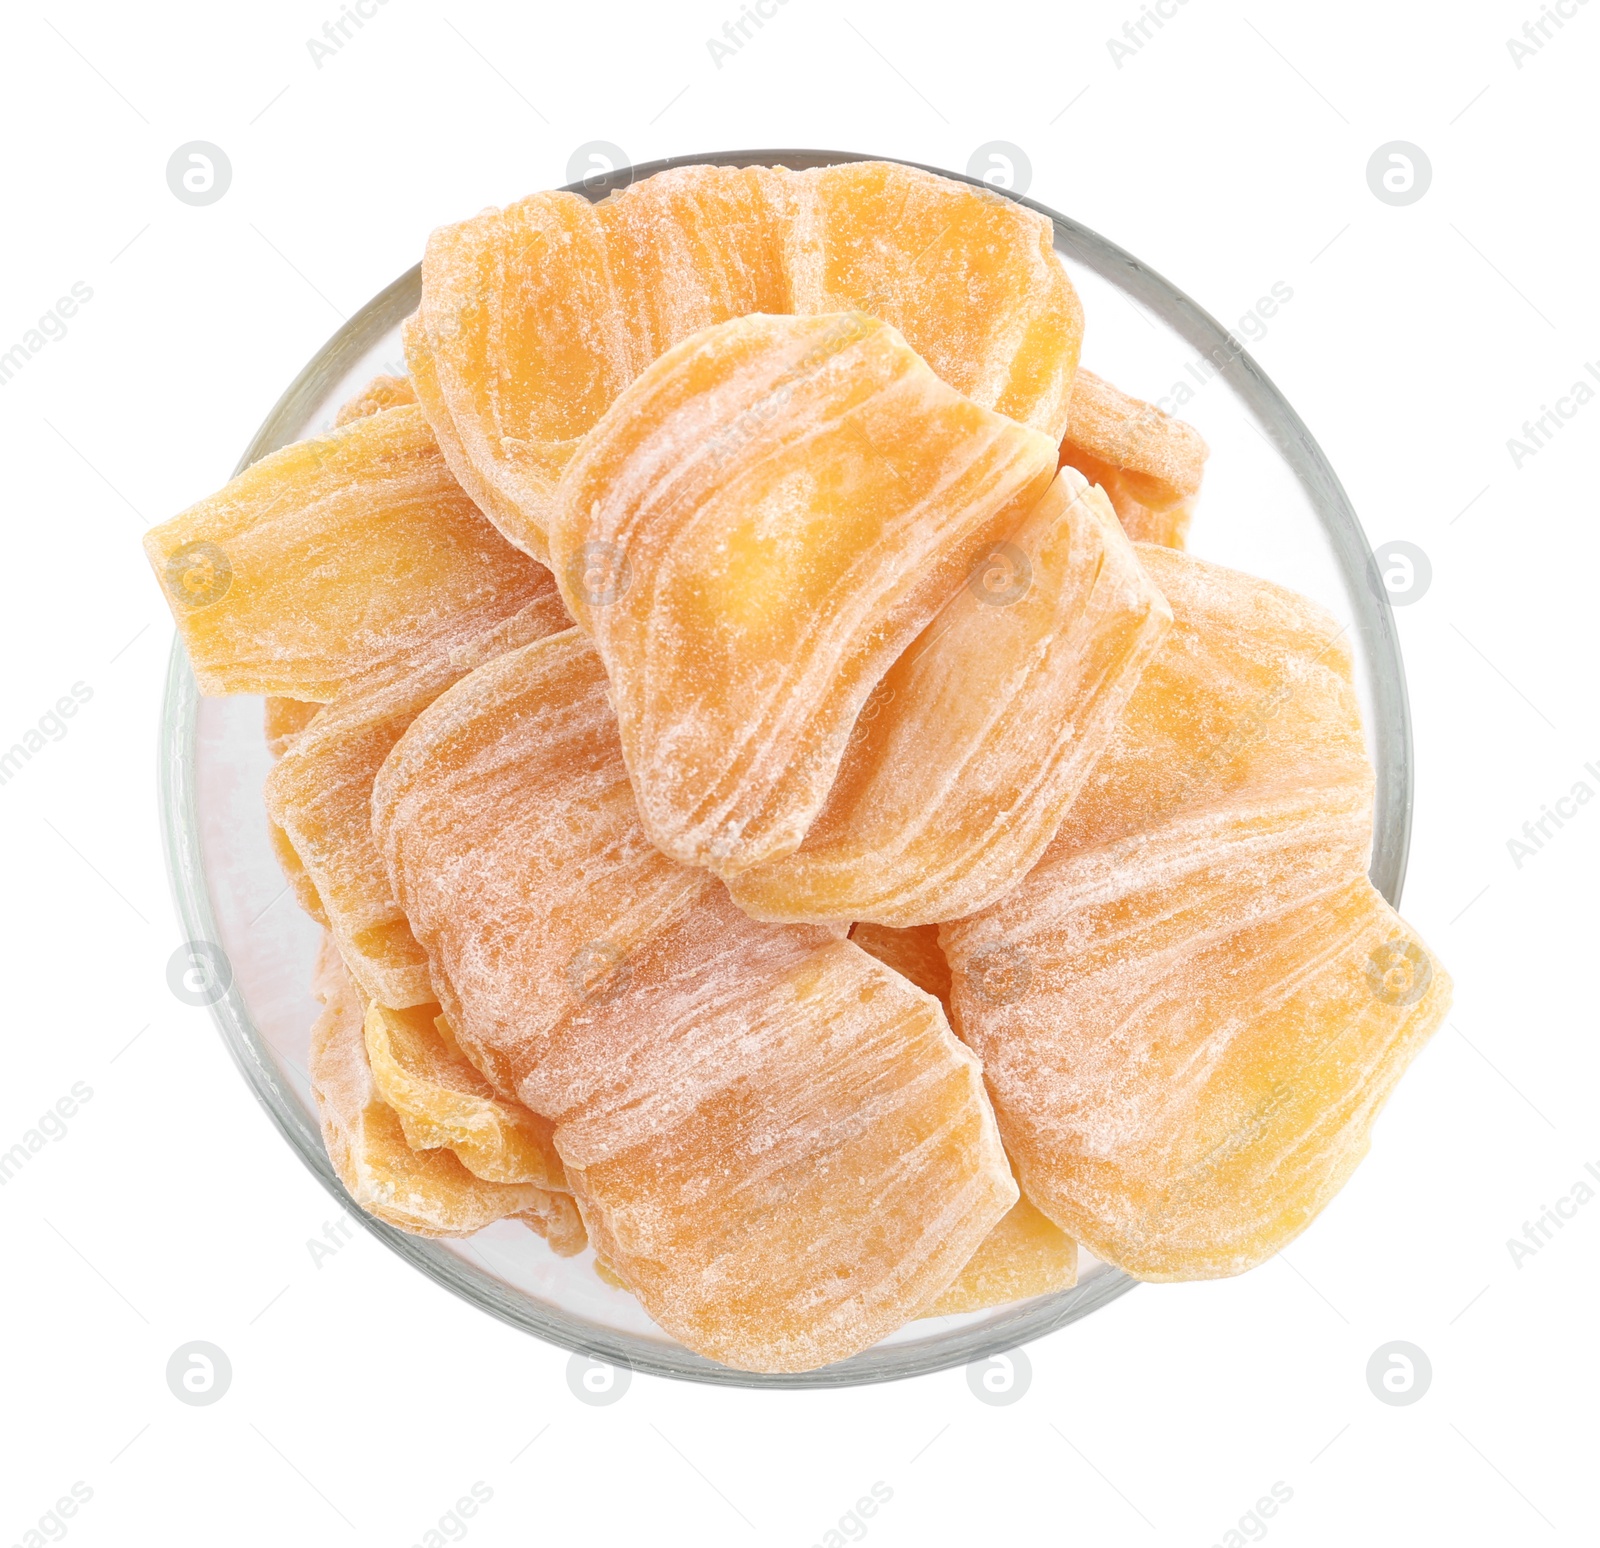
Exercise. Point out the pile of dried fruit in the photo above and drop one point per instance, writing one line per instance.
(723, 668)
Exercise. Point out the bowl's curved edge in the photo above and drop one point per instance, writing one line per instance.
(247, 1047)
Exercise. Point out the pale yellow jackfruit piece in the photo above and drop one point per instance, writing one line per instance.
(762, 523)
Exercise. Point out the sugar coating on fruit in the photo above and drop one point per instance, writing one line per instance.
(783, 1165)
(533, 318)
(968, 276)
(755, 531)
(681, 1049)
(382, 392)
(283, 720)
(444, 1103)
(319, 798)
(1252, 687)
(334, 558)
(426, 1192)
(1149, 463)
(295, 873)
(976, 740)
(512, 842)
(1183, 1011)
(1025, 1255)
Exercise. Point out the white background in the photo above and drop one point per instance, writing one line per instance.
(1229, 152)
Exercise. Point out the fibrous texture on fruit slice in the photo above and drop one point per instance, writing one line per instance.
(695, 246)
(334, 558)
(780, 1149)
(426, 1192)
(533, 318)
(976, 740)
(783, 1163)
(283, 720)
(1025, 1255)
(512, 842)
(520, 341)
(755, 531)
(1191, 1010)
(969, 277)
(382, 392)
(295, 873)
(443, 1102)
(485, 495)
(1148, 462)
(319, 796)
(1251, 688)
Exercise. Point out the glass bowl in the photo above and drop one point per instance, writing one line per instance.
(1271, 505)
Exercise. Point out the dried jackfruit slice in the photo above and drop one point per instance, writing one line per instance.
(630, 1001)
(1186, 1012)
(334, 558)
(759, 526)
(444, 1103)
(426, 1192)
(382, 392)
(783, 1164)
(969, 277)
(1024, 1256)
(533, 318)
(1149, 463)
(913, 953)
(1251, 689)
(520, 341)
(283, 720)
(976, 740)
(695, 246)
(511, 840)
(295, 873)
(1197, 1035)
(319, 795)
(430, 395)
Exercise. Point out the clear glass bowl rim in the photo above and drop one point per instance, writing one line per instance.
(1390, 731)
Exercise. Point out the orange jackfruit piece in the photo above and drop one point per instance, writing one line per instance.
(425, 1192)
(283, 720)
(976, 740)
(319, 796)
(759, 526)
(382, 392)
(1192, 1009)
(334, 558)
(295, 873)
(969, 277)
(1251, 689)
(1148, 463)
(1025, 1255)
(535, 317)
(783, 1161)
(913, 953)
(695, 246)
(444, 1103)
(518, 347)
(511, 839)
(750, 1116)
